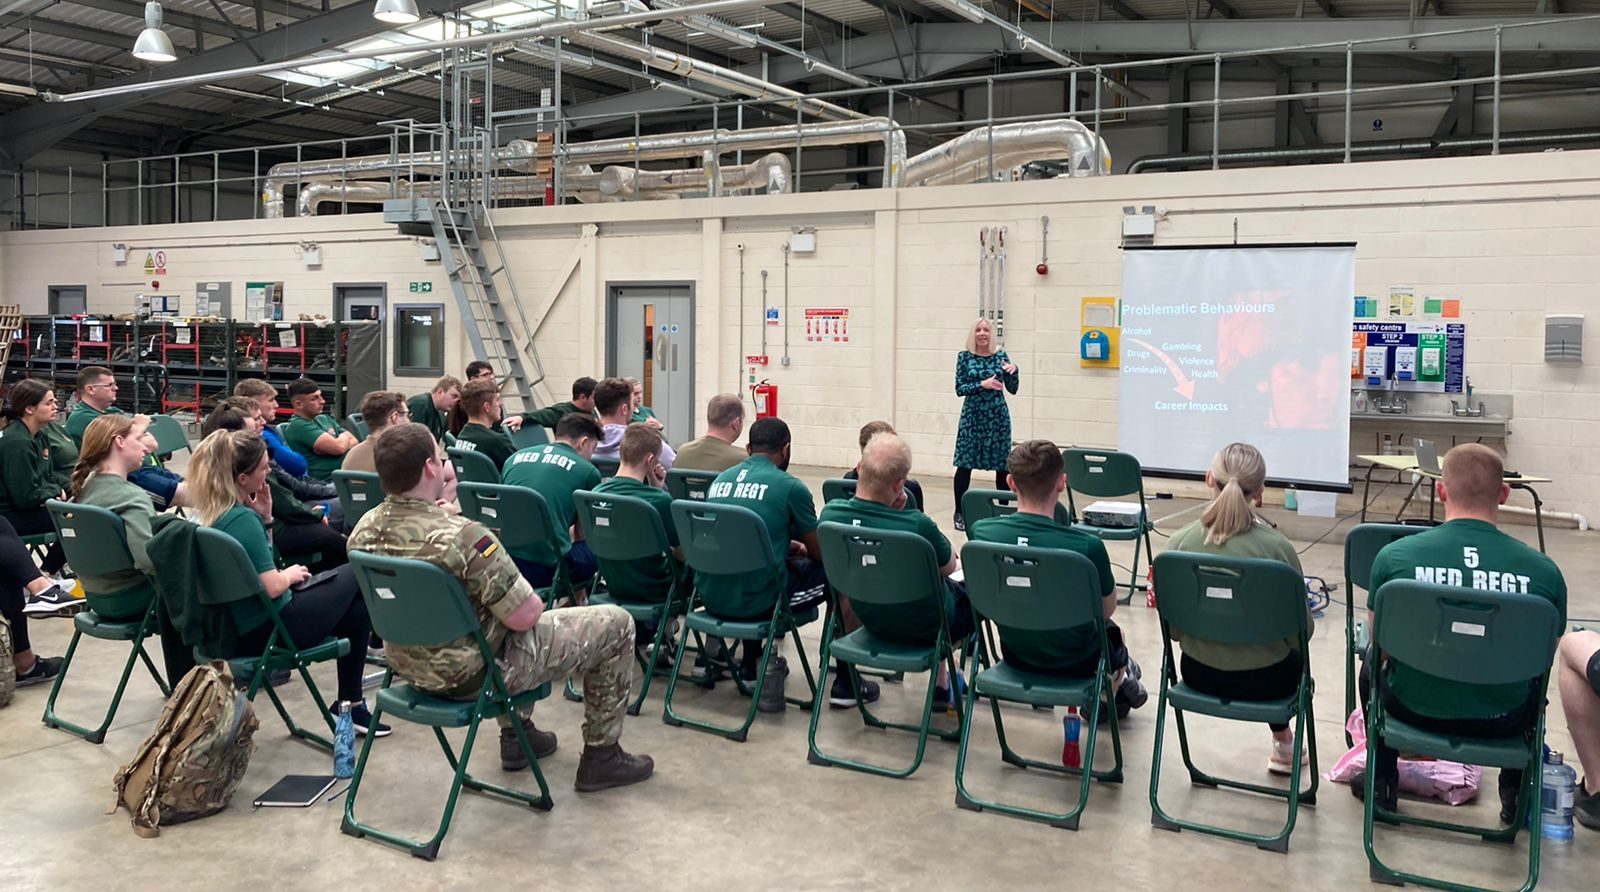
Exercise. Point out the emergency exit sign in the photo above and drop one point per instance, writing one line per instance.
(421, 287)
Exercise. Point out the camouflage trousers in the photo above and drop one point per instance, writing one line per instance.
(593, 644)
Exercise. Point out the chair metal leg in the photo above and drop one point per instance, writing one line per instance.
(742, 731)
(649, 669)
(136, 652)
(816, 756)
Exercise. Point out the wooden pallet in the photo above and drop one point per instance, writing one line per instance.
(10, 324)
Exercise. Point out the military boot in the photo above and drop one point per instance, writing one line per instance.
(608, 766)
(512, 757)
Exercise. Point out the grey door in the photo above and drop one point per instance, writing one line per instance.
(66, 300)
(366, 303)
(652, 339)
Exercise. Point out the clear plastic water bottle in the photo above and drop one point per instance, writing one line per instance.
(1555, 802)
(344, 744)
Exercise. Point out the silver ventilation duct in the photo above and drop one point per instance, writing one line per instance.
(967, 158)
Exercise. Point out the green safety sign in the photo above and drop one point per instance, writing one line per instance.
(421, 287)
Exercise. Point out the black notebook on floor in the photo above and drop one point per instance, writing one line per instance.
(296, 791)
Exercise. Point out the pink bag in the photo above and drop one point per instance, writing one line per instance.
(1449, 782)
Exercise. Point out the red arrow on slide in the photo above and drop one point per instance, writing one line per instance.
(1185, 386)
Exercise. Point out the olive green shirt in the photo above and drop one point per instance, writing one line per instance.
(709, 454)
(247, 527)
(26, 478)
(1260, 541)
(302, 435)
(132, 504)
(550, 415)
(424, 413)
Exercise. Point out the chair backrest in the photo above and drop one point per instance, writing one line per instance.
(94, 539)
(1038, 597)
(683, 483)
(1102, 473)
(606, 464)
(449, 439)
(980, 504)
(1427, 456)
(226, 574)
(1361, 548)
(890, 577)
(169, 435)
(838, 488)
(620, 528)
(723, 539)
(518, 515)
(1462, 634)
(283, 430)
(530, 434)
(473, 466)
(359, 492)
(1230, 600)
(357, 425)
(413, 603)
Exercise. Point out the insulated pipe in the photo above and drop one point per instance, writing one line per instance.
(965, 159)
(1385, 147)
(519, 154)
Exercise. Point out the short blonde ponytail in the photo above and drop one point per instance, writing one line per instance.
(1239, 473)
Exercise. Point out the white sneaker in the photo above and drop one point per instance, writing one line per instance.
(53, 601)
(1283, 757)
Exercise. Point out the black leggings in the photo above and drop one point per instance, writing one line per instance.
(964, 482)
(298, 542)
(334, 607)
(33, 522)
(16, 571)
(1274, 682)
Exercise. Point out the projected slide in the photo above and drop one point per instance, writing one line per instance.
(1238, 343)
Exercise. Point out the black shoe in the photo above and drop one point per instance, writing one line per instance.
(44, 669)
(1508, 801)
(961, 523)
(941, 699)
(1388, 793)
(1586, 806)
(361, 717)
(53, 601)
(842, 695)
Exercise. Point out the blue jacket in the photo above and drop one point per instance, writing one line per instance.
(287, 458)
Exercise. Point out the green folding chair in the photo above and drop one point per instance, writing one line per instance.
(226, 576)
(893, 583)
(97, 545)
(1476, 637)
(683, 483)
(283, 430)
(38, 544)
(607, 466)
(1106, 474)
(356, 425)
(359, 492)
(838, 488)
(1361, 548)
(449, 439)
(981, 504)
(520, 518)
(1238, 601)
(720, 539)
(529, 434)
(473, 466)
(1039, 598)
(622, 529)
(414, 603)
(169, 435)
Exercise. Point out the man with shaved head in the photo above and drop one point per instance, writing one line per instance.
(1467, 551)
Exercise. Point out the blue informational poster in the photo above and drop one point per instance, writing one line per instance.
(1413, 356)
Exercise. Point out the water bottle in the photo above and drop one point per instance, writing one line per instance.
(1388, 444)
(1555, 802)
(958, 694)
(1071, 727)
(344, 742)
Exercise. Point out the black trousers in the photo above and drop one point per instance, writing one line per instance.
(16, 571)
(334, 607)
(302, 540)
(1274, 682)
(36, 521)
(964, 482)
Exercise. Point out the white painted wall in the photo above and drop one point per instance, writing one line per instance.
(1512, 236)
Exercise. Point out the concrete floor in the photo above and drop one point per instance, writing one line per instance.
(724, 815)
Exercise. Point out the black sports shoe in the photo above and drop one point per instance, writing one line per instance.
(361, 717)
(44, 669)
(53, 601)
(1388, 793)
(961, 523)
(842, 696)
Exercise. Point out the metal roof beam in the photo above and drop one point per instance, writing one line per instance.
(805, 16)
(1124, 10)
(70, 31)
(1179, 38)
(187, 21)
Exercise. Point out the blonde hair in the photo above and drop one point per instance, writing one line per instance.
(1239, 473)
(1473, 475)
(972, 337)
(219, 459)
(98, 441)
(885, 460)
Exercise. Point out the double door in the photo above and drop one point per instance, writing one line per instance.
(652, 339)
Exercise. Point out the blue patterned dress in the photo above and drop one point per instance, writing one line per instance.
(983, 442)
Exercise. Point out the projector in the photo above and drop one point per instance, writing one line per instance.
(1113, 514)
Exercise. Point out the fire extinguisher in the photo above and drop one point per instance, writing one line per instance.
(765, 397)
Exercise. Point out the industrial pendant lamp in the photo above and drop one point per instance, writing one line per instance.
(396, 12)
(153, 44)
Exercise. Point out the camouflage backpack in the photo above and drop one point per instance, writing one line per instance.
(193, 761)
(8, 669)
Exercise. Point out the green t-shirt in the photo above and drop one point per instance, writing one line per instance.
(644, 414)
(644, 581)
(424, 413)
(78, 422)
(1073, 647)
(301, 436)
(875, 515)
(550, 415)
(1260, 541)
(63, 453)
(493, 443)
(247, 527)
(784, 504)
(1470, 554)
(555, 471)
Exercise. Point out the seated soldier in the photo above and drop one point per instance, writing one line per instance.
(432, 409)
(266, 397)
(642, 414)
(870, 430)
(477, 370)
(380, 409)
(481, 401)
(881, 502)
(1579, 659)
(531, 646)
(762, 484)
(1038, 477)
(640, 475)
(317, 437)
(582, 402)
(556, 471)
(613, 399)
(97, 395)
(1467, 550)
(315, 493)
(716, 450)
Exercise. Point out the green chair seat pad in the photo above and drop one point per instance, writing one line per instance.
(1009, 683)
(1499, 752)
(1190, 700)
(326, 649)
(862, 648)
(403, 701)
(95, 626)
(1116, 534)
(756, 629)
